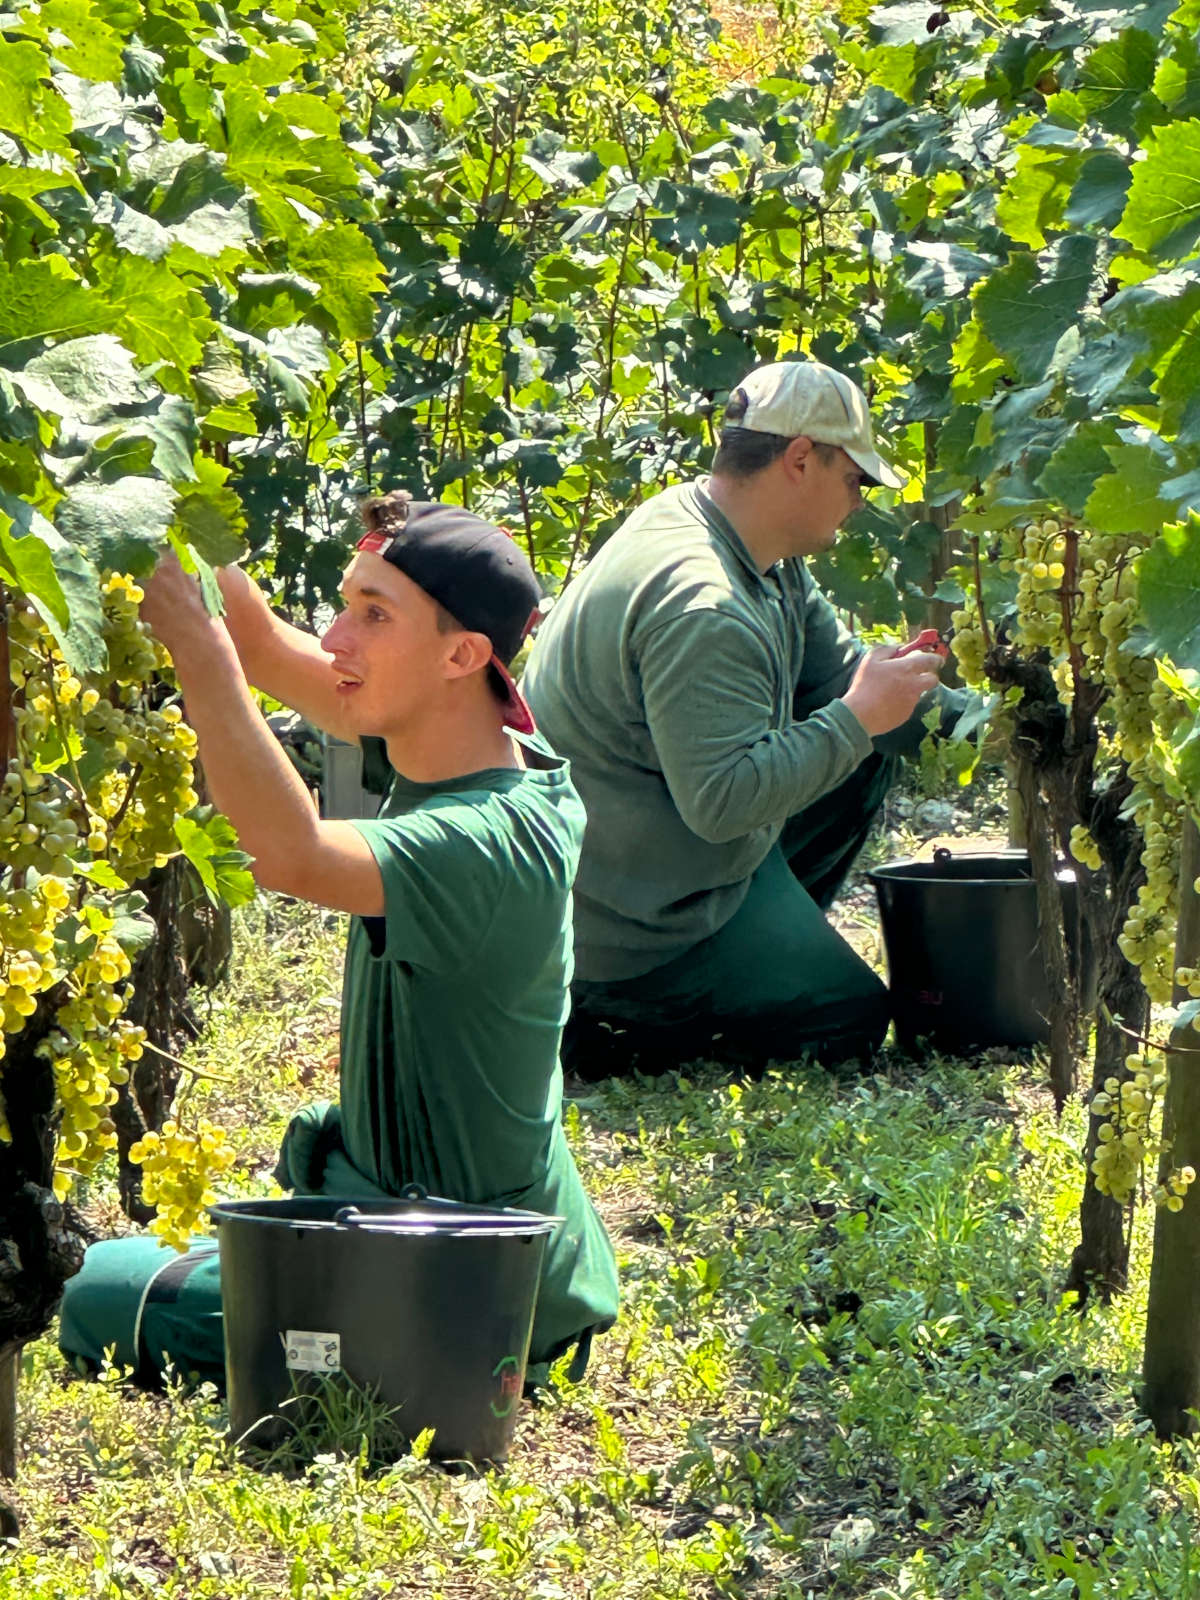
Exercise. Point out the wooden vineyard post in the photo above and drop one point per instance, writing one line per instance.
(1171, 1361)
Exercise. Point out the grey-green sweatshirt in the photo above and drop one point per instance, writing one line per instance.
(698, 702)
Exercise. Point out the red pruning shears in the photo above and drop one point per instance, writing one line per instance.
(927, 639)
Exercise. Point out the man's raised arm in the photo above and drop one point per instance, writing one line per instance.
(250, 778)
(278, 658)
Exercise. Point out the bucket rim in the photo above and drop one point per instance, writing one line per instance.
(915, 869)
(431, 1216)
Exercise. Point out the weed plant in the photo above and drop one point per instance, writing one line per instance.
(843, 1368)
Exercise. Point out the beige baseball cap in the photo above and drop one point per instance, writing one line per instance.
(806, 397)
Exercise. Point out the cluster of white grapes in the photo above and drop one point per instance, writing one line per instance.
(1125, 1139)
(89, 799)
(1148, 938)
(1084, 848)
(178, 1167)
(969, 646)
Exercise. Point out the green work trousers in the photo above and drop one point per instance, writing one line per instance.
(774, 984)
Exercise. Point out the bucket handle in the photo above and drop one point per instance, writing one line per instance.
(351, 1216)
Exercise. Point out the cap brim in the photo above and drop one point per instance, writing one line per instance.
(517, 714)
(875, 467)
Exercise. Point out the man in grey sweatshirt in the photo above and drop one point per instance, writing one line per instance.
(721, 726)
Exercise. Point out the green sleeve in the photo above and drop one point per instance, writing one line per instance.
(713, 710)
(439, 886)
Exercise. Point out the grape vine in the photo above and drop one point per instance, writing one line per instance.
(1075, 607)
(88, 805)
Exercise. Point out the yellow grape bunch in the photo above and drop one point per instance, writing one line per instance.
(1084, 848)
(1076, 596)
(1147, 940)
(178, 1166)
(1041, 567)
(87, 807)
(1126, 1139)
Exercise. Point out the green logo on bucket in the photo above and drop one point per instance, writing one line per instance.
(509, 1373)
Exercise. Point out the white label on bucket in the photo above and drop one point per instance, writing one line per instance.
(313, 1352)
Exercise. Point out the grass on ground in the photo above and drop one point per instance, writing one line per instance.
(843, 1367)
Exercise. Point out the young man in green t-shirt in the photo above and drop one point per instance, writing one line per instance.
(728, 739)
(459, 956)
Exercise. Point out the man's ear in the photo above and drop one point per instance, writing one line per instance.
(471, 652)
(798, 451)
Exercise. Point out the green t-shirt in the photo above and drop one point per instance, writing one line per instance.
(452, 1011)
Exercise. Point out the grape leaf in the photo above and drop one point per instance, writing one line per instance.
(1027, 306)
(945, 270)
(210, 517)
(22, 68)
(219, 226)
(197, 178)
(1184, 491)
(211, 847)
(1074, 469)
(1128, 500)
(121, 526)
(221, 377)
(295, 357)
(84, 379)
(1178, 372)
(132, 928)
(1162, 214)
(86, 44)
(1115, 77)
(339, 257)
(22, 183)
(1108, 365)
(133, 232)
(1034, 196)
(40, 298)
(200, 569)
(1177, 81)
(263, 152)
(156, 314)
(159, 441)
(29, 110)
(268, 300)
(102, 873)
(29, 567)
(1168, 583)
(82, 638)
(1098, 198)
(696, 217)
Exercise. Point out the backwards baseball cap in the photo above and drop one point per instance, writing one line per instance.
(470, 567)
(806, 397)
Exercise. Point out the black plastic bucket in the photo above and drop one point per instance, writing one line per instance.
(961, 936)
(427, 1302)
